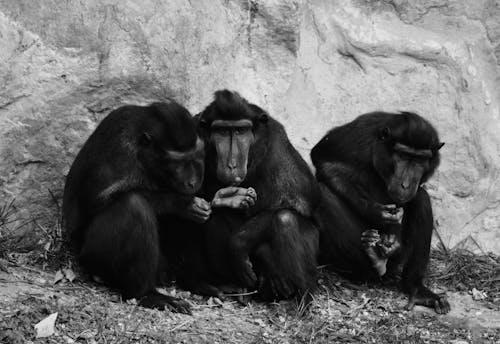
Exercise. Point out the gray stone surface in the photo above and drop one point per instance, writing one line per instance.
(313, 64)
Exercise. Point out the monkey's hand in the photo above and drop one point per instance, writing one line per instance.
(234, 197)
(386, 213)
(388, 244)
(198, 210)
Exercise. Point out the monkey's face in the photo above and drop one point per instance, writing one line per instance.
(402, 168)
(181, 171)
(186, 175)
(232, 141)
(403, 184)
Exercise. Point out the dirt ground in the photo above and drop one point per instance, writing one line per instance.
(342, 312)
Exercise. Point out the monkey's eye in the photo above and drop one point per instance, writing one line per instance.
(242, 130)
(221, 131)
(402, 155)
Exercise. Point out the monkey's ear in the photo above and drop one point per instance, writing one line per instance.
(263, 118)
(439, 146)
(145, 139)
(385, 134)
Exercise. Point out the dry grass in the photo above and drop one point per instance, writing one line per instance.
(341, 312)
(463, 270)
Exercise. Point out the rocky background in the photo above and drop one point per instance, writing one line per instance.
(312, 63)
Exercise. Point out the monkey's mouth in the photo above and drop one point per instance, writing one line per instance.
(237, 181)
(231, 178)
(400, 198)
(185, 189)
(231, 181)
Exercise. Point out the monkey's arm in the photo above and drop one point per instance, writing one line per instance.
(167, 203)
(162, 203)
(350, 184)
(344, 181)
(187, 206)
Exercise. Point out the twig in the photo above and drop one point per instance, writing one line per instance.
(478, 246)
(242, 294)
(179, 326)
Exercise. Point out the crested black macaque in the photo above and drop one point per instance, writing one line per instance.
(375, 215)
(141, 163)
(271, 245)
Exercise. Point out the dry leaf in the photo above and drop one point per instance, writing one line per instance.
(478, 295)
(58, 277)
(69, 274)
(45, 328)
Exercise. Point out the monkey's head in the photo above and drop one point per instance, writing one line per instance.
(170, 150)
(232, 126)
(405, 155)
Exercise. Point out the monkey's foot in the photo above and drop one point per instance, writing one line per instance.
(246, 275)
(280, 288)
(370, 240)
(378, 263)
(159, 301)
(274, 288)
(429, 299)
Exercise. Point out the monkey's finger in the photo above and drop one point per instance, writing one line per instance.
(399, 214)
(217, 202)
(391, 238)
(374, 235)
(370, 234)
(387, 215)
(242, 204)
(230, 191)
(223, 202)
(370, 241)
(250, 201)
(391, 218)
(394, 210)
(399, 219)
(437, 307)
(201, 212)
(252, 193)
(205, 217)
(389, 206)
(201, 203)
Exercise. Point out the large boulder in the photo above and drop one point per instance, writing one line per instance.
(313, 64)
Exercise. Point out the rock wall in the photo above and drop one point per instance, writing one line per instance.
(313, 64)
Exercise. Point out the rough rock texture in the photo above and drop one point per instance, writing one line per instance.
(313, 64)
